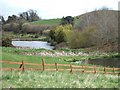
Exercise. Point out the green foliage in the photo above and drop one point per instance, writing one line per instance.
(52, 35)
(46, 32)
(6, 41)
(59, 33)
(60, 37)
(67, 20)
(80, 39)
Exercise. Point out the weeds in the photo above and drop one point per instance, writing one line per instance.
(35, 79)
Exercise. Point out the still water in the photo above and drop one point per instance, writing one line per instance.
(111, 62)
(33, 44)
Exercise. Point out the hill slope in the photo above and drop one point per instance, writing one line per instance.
(106, 25)
(48, 22)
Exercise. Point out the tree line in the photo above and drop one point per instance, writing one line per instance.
(30, 15)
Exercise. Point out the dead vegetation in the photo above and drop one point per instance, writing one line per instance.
(106, 24)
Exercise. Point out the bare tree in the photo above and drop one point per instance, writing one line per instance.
(30, 15)
(33, 15)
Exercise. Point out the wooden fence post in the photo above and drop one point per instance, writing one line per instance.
(94, 69)
(71, 71)
(113, 70)
(43, 64)
(11, 69)
(56, 66)
(23, 66)
(104, 70)
(82, 68)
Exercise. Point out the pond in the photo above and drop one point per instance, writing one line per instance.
(33, 44)
(111, 62)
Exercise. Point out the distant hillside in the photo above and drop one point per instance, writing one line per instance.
(52, 22)
(106, 25)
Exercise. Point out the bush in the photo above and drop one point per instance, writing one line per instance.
(80, 39)
(59, 33)
(30, 28)
(46, 32)
(67, 20)
(52, 35)
(11, 27)
(7, 42)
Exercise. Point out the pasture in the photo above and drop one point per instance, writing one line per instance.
(52, 79)
(48, 22)
(39, 79)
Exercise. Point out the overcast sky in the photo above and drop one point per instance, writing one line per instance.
(48, 9)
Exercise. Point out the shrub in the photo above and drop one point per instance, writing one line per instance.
(52, 35)
(59, 33)
(6, 39)
(7, 42)
(11, 27)
(30, 28)
(67, 20)
(80, 39)
(25, 27)
(46, 32)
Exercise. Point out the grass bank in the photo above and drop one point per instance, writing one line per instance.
(60, 56)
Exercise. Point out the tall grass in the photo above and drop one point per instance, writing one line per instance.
(35, 79)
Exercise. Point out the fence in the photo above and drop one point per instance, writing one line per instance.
(57, 67)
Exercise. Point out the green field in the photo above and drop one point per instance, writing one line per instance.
(38, 79)
(18, 54)
(51, 79)
(48, 22)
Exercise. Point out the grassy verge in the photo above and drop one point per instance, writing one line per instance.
(35, 79)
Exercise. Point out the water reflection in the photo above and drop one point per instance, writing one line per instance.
(111, 62)
(33, 44)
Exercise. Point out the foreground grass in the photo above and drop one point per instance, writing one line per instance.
(35, 79)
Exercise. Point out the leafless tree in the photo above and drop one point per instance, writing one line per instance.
(30, 15)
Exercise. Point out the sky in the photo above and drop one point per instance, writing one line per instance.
(48, 9)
